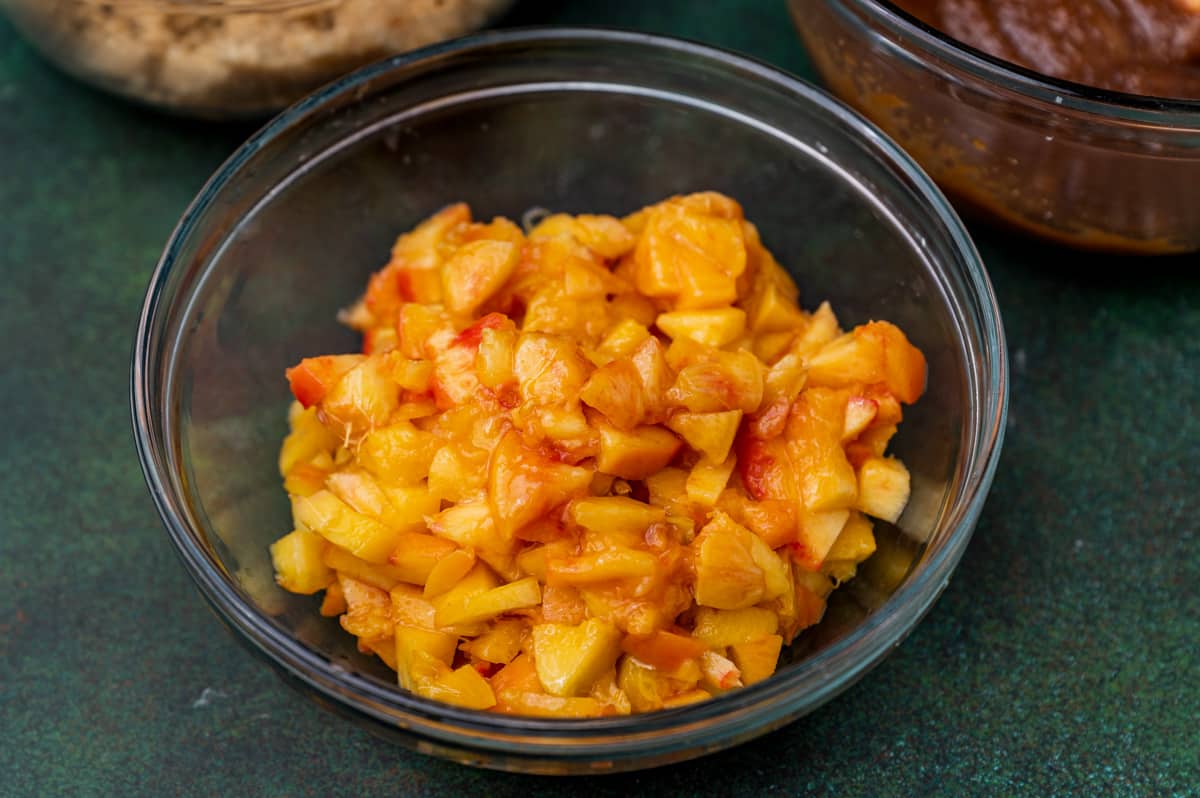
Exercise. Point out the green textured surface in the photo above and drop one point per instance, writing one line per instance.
(1062, 659)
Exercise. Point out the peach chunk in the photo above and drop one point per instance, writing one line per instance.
(524, 485)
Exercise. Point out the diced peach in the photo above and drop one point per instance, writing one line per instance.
(773, 520)
(297, 560)
(601, 566)
(822, 328)
(635, 454)
(707, 480)
(855, 543)
(888, 409)
(411, 375)
(615, 513)
(812, 591)
(314, 377)
(305, 479)
(709, 327)
(711, 434)
(818, 532)
(607, 692)
(827, 479)
(494, 358)
(668, 489)
(563, 604)
(455, 378)
(498, 229)
(475, 272)
(710, 203)
(719, 672)
(664, 650)
(419, 408)
(728, 381)
(458, 473)
(848, 360)
(616, 391)
(402, 508)
(410, 608)
(398, 453)
(454, 602)
(550, 311)
(766, 469)
(621, 341)
(860, 412)
(569, 658)
(504, 563)
(500, 644)
(357, 489)
(469, 525)
(756, 659)
(369, 610)
(380, 575)
(691, 257)
(722, 628)
(727, 575)
(770, 421)
(420, 248)
(308, 438)
(463, 687)
(604, 235)
(517, 677)
(871, 443)
(583, 279)
(773, 566)
(549, 368)
(448, 571)
(646, 688)
(533, 561)
(903, 364)
(333, 603)
(415, 556)
(784, 379)
(411, 642)
(484, 606)
(630, 305)
(420, 328)
(883, 488)
(770, 310)
(523, 485)
(333, 519)
(649, 358)
(772, 347)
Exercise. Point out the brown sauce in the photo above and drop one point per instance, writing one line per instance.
(1149, 47)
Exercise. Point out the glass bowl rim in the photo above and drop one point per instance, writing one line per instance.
(1165, 112)
(769, 703)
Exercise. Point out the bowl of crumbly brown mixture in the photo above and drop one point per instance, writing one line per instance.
(233, 58)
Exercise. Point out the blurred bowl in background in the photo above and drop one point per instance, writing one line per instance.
(1074, 164)
(233, 58)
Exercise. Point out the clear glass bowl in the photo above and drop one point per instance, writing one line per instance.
(289, 228)
(1078, 165)
(233, 58)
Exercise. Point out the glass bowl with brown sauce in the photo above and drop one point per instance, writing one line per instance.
(1078, 121)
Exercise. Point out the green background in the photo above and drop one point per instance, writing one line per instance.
(1062, 659)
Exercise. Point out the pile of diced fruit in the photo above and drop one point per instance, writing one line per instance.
(604, 466)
